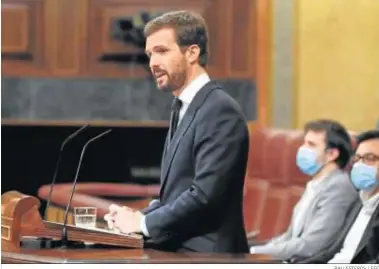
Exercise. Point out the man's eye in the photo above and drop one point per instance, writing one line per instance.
(367, 158)
(371, 157)
(161, 51)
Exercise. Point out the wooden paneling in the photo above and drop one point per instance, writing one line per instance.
(263, 57)
(242, 42)
(231, 28)
(22, 37)
(215, 15)
(66, 36)
(102, 46)
(15, 39)
(73, 38)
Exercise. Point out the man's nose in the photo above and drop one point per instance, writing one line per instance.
(153, 62)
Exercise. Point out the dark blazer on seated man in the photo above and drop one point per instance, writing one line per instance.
(361, 244)
(368, 248)
(205, 154)
(358, 241)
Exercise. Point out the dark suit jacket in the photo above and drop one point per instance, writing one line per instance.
(368, 248)
(202, 179)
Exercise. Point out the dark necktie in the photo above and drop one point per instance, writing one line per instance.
(175, 108)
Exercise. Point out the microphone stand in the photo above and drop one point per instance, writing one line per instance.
(65, 142)
(46, 242)
(64, 234)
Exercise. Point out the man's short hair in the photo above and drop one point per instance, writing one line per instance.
(336, 136)
(190, 29)
(368, 135)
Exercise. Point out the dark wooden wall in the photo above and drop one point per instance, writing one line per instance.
(69, 38)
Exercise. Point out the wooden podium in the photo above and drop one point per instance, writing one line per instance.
(20, 218)
(27, 238)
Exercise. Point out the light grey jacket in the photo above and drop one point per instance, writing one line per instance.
(323, 221)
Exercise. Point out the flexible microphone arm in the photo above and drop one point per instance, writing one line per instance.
(68, 139)
(64, 230)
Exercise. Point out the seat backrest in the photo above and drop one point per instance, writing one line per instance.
(274, 184)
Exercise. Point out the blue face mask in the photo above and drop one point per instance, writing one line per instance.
(363, 176)
(306, 160)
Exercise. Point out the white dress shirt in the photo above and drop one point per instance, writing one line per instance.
(357, 230)
(311, 191)
(186, 96)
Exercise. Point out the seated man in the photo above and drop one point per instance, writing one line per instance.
(321, 212)
(361, 244)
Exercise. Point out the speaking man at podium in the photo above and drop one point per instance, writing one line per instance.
(205, 154)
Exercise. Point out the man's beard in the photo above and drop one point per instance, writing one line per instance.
(174, 81)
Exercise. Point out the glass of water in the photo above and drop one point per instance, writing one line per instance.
(85, 217)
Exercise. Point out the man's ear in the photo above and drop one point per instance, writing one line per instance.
(193, 53)
(334, 153)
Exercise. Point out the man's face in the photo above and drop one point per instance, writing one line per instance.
(168, 63)
(368, 153)
(316, 141)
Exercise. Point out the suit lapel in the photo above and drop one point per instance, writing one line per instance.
(310, 210)
(181, 130)
(353, 215)
(172, 147)
(167, 142)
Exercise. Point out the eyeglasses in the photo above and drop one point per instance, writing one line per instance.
(366, 158)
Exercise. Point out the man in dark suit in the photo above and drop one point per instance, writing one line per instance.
(359, 241)
(368, 153)
(206, 149)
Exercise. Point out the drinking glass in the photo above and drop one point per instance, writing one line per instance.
(85, 217)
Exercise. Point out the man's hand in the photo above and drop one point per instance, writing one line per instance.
(113, 209)
(124, 219)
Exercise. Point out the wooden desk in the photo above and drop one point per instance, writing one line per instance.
(93, 254)
(27, 238)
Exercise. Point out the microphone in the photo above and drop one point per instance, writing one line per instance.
(68, 139)
(64, 230)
